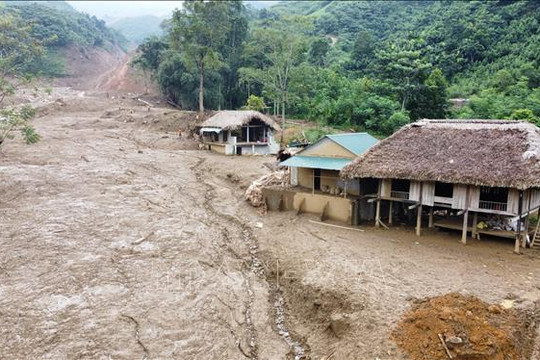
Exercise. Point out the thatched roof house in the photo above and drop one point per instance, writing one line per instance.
(240, 132)
(484, 167)
(496, 153)
(234, 119)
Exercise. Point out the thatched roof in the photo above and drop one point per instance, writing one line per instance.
(502, 153)
(233, 119)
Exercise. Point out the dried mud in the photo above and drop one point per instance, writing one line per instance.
(120, 240)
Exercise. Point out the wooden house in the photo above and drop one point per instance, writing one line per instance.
(242, 132)
(474, 168)
(314, 174)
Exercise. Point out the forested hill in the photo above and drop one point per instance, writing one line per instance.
(368, 65)
(55, 27)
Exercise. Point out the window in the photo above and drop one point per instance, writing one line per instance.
(444, 190)
(493, 198)
(400, 189)
(401, 185)
(369, 186)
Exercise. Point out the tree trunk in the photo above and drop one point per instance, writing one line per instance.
(282, 122)
(201, 88)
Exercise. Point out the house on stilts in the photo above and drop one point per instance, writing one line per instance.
(240, 132)
(481, 176)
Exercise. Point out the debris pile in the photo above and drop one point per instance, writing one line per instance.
(454, 326)
(254, 193)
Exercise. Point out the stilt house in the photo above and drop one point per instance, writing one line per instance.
(475, 169)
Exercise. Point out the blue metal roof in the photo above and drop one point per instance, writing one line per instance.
(316, 162)
(357, 143)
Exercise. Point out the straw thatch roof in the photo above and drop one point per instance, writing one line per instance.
(501, 153)
(233, 119)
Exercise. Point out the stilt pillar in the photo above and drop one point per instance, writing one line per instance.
(474, 232)
(430, 222)
(465, 225)
(378, 213)
(419, 220)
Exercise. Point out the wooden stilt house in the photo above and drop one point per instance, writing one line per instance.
(477, 170)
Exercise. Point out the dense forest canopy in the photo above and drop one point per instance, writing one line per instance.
(366, 65)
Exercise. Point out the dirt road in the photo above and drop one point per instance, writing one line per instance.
(119, 242)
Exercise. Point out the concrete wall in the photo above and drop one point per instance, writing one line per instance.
(255, 150)
(305, 177)
(338, 208)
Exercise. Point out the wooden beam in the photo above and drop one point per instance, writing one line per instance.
(430, 222)
(378, 209)
(335, 226)
(464, 230)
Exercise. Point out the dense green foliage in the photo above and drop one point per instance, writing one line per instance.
(361, 64)
(56, 25)
(17, 49)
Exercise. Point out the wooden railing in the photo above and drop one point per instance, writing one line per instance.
(493, 205)
(399, 194)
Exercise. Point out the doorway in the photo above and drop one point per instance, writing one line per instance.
(317, 179)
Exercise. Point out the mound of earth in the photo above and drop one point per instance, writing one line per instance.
(468, 327)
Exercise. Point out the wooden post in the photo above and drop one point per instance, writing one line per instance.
(518, 232)
(465, 218)
(390, 213)
(419, 220)
(378, 210)
(465, 225)
(474, 232)
(430, 222)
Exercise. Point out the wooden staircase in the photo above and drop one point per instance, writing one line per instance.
(536, 236)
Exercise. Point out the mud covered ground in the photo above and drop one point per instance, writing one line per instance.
(120, 240)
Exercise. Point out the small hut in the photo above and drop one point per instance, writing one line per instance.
(241, 132)
(316, 186)
(489, 169)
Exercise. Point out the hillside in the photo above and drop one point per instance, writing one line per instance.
(70, 40)
(137, 29)
(365, 65)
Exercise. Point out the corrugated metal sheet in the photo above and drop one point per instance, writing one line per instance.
(356, 143)
(316, 162)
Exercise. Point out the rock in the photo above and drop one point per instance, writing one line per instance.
(259, 225)
(339, 324)
(453, 341)
(494, 309)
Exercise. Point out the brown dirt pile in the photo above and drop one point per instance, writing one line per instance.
(471, 329)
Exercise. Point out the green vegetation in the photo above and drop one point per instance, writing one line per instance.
(57, 25)
(18, 49)
(139, 28)
(366, 65)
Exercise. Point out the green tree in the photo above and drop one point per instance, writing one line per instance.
(318, 50)
(525, 114)
(255, 103)
(17, 49)
(402, 65)
(197, 31)
(281, 46)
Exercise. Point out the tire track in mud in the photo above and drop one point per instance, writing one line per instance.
(257, 268)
